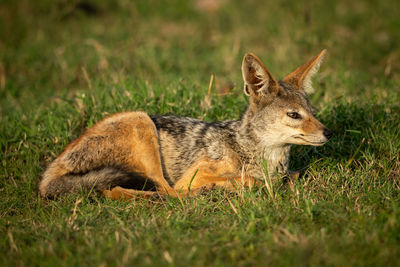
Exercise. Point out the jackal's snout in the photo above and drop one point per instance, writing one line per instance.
(327, 133)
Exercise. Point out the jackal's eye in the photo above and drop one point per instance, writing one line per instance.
(294, 115)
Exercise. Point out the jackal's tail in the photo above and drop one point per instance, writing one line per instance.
(95, 180)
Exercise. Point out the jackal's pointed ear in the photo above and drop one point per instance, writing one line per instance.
(301, 77)
(257, 79)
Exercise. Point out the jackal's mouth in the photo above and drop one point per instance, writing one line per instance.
(310, 142)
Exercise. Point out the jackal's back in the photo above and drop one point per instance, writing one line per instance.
(184, 140)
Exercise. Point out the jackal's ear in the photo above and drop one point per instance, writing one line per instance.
(301, 77)
(257, 79)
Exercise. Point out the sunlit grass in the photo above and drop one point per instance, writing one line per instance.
(66, 65)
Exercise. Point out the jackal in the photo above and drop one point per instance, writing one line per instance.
(133, 154)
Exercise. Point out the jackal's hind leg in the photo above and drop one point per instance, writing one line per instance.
(145, 156)
(114, 152)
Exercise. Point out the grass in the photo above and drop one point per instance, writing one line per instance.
(64, 65)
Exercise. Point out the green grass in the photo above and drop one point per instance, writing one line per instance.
(64, 66)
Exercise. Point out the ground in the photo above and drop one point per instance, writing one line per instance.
(66, 64)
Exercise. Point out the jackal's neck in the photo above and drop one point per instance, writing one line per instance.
(274, 152)
(246, 135)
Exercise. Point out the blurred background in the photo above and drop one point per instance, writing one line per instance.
(50, 48)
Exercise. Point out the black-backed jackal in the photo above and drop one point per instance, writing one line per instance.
(133, 154)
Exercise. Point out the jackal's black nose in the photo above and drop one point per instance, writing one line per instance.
(328, 133)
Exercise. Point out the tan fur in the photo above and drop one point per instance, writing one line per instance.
(128, 139)
(311, 125)
(207, 171)
(182, 156)
(301, 77)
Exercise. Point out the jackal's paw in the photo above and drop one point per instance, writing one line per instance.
(127, 194)
(293, 175)
(203, 189)
(106, 193)
(113, 194)
(208, 187)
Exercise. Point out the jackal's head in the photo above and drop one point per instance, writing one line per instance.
(279, 112)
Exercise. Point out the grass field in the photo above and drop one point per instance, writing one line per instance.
(66, 64)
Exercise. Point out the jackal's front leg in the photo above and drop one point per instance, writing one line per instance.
(206, 174)
(207, 183)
